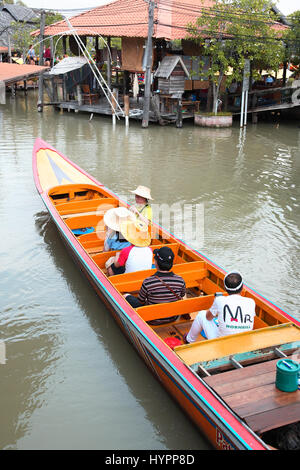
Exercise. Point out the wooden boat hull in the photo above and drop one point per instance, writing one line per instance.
(223, 428)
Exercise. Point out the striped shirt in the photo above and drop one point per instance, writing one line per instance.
(153, 291)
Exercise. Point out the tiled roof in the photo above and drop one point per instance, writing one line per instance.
(129, 18)
(10, 72)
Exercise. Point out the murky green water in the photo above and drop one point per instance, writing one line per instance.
(72, 381)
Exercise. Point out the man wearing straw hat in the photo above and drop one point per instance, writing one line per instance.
(138, 256)
(142, 208)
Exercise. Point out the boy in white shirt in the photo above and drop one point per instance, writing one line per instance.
(233, 312)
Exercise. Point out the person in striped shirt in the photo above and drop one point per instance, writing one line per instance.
(163, 286)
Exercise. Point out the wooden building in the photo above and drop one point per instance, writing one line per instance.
(129, 21)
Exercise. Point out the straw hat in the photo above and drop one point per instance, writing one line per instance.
(142, 191)
(113, 217)
(136, 232)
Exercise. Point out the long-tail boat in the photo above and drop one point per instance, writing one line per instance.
(227, 385)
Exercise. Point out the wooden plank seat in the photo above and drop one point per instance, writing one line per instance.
(84, 205)
(101, 258)
(180, 307)
(95, 206)
(76, 192)
(88, 239)
(192, 273)
(209, 287)
(219, 349)
(252, 394)
(86, 220)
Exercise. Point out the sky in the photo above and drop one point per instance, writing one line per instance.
(286, 6)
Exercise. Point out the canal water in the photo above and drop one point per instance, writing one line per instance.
(71, 380)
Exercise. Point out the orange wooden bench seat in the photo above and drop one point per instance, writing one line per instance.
(101, 204)
(180, 307)
(101, 258)
(92, 237)
(84, 220)
(192, 273)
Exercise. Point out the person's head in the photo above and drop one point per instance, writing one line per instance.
(140, 200)
(233, 282)
(142, 195)
(164, 258)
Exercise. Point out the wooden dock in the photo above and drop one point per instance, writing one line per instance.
(11, 74)
(270, 100)
(135, 111)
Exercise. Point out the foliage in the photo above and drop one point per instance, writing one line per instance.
(21, 33)
(293, 39)
(232, 31)
(21, 37)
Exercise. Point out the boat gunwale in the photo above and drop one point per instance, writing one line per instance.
(231, 422)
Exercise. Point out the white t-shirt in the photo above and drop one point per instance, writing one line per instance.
(234, 312)
(136, 258)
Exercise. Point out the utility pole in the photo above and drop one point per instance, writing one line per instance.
(148, 52)
(41, 62)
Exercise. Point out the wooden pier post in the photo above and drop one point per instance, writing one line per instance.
(179, 113)
(126, 109)
(64, 45)
(108, 64)
(2, 92)
(113, 110)
(79, 95)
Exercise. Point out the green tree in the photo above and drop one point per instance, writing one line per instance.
(21, 33)
(293, 39)
(232, 31)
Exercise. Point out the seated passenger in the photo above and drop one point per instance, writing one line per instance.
(142, 208)
(163, 286)
(235, 313)
(112, 218)
(138, 255)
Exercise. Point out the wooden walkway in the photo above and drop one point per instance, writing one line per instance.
(271, 99)
(11, 74)
(103, 108)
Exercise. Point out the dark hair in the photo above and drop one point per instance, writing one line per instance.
(232, 281)
(163, 266)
